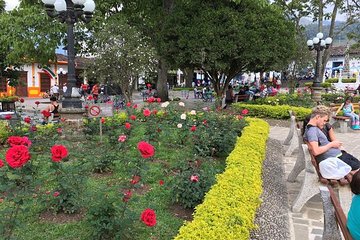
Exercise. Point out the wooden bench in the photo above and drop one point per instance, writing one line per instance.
(241, 98)
(342, 120)
(313, 180)
(334, 216)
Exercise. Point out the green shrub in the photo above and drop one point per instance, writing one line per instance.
(296, 99)
(348, 80)
(229, 208)
(276, 112)
(332, 80)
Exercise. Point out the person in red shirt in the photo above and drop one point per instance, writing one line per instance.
(95, 91)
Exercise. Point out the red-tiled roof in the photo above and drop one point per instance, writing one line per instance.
(340, 51)
(80, 62)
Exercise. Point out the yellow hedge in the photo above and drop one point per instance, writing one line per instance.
(229, 208)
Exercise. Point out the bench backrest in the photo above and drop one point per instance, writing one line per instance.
(335, 106)
(339, 214)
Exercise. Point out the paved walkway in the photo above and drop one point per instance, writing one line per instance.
(308, 224)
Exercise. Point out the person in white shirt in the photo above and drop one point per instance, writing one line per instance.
(55, 91)
(64, 88)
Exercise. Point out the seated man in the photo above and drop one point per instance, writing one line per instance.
(319, 144)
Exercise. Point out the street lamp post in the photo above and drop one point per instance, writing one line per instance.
(70, 12)
(318, 44)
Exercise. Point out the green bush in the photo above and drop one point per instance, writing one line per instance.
(348, 80)
(323, 84)
(298, 100)
(332, 80)
(276, 112)
(229, 208)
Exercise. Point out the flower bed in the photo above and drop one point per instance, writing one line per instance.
(229, 208)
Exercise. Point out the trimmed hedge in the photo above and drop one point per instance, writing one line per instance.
(268, 111)
(229, 208)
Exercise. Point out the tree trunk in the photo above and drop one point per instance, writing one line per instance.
(161, 86)
(189, 76)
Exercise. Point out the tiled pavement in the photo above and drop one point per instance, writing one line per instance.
(308, 224)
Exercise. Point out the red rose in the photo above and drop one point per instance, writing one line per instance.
(59, 130)
(194, 178)
(240, 117)
(127, 125)
(22, 100)
(133, 117)
(46, 113)
(147, 112)
(128, 104)
(146, 149)
(33, 128)
(90, 97)
(148, 216)
(56, 194)
(1, 163)
(193, 128)
(151, 99)
(205, 122)
(135, 106)
(102, 120)
(161, 182)
(58, 152)
(135, 179)
(27, 119)
(244, 112)
(17, 156)
(8, 117)
(154, 111)
(127, 196)
(16, 140)
(86, 106)
(158, 100)
(37, 103)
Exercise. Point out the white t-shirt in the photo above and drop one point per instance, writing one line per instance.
(55, 89)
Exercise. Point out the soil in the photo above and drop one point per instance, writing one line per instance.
(60, 218)
(181, 212)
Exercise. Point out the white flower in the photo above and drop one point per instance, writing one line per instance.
(179, 125)
(193, 112)
(183, 116)
(165, 104)
(181, 104)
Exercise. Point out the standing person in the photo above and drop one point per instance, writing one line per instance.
(348, 110)
(64, 88)
(229, 96)
(53, 108)
(353, 221)
(95, 91)
(55, 90)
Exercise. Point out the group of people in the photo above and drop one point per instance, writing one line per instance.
(55, 91)
(348, 110)
(322, 143)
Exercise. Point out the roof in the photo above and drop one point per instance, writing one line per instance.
(340, 51)
(80, 62)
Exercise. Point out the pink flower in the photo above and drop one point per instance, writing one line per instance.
(194, 178)
(158, 100)
(122, 138)
(135, 106)
(56, 194)
(128, 104)
(147, 112)
(244, 111)
(240, 117)
(127, 125)
(193, 128)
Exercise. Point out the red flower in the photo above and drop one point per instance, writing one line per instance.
(194, 178)
(146, 150)
(90, 97)
(158, 100)
(240, 117)
(102, 120)
(122, 138)
(135, 106)
(147, 112)
(17, 156)
(154, 111)
(62, 119)
(148, 85)
(16, 140)
(8, 117)
(244, 112)
(86, 106)
(148, 216)
(59, 130)
(46, 113)
(135, 179)
(205, 122)
(133, 117)
(22, 100)
(56, 194)
(58, 153)
(127, 196)
(1, 163)
(37, 103)
(161, 182)
(151, 99)
(127, 125)
(27, 119)
(33, 128)
(128, 104)
(193, 128)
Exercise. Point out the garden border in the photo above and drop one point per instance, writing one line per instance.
(229, 208)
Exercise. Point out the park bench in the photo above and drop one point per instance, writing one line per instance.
(312, 181)
(241, 98)
(334, 216)
(342, 120)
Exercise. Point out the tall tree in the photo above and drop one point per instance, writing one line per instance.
(224, 38)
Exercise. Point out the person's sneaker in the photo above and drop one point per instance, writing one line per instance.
(356, 127)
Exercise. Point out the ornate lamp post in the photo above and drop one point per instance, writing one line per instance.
(70, 12)
(318, 44)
